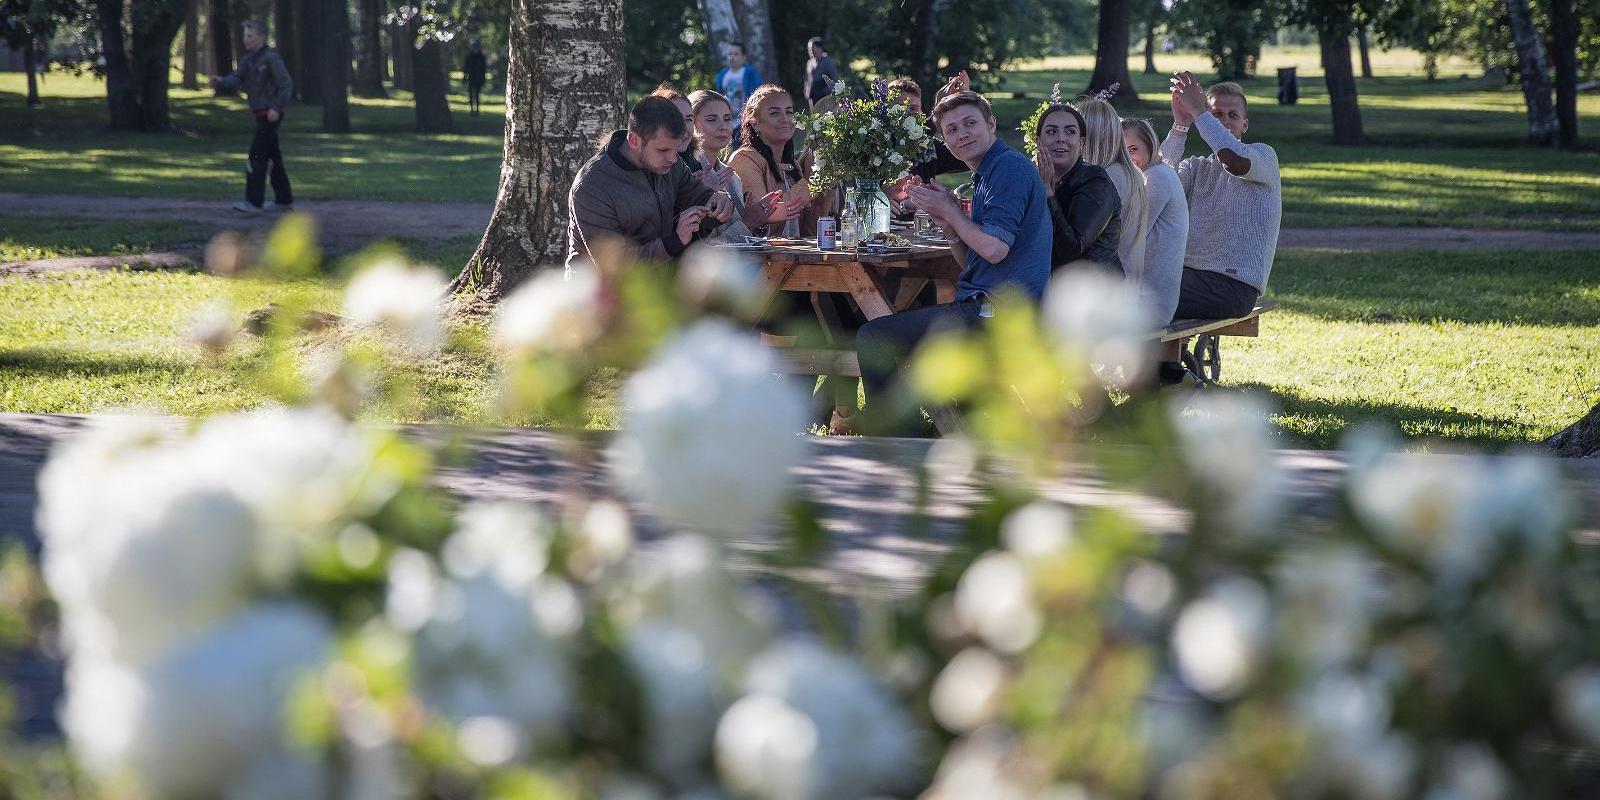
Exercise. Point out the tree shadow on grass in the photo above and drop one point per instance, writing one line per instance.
(1547, 288)
(1321, 424)
(41, 363)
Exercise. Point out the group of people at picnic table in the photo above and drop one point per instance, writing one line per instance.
(1196, 235)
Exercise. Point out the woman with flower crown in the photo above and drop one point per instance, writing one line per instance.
(1085, 209)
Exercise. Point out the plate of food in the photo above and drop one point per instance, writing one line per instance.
(743, 247)
(885, 243)
(779, 241)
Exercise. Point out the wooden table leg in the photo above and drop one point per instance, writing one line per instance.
(773, 274)
(944, 291)
(866, 292)
(910, 287)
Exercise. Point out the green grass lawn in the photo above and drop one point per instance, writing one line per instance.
(1447, 152)
(24, 238)
(1492, 349)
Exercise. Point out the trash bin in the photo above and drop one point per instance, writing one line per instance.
(1288, 86)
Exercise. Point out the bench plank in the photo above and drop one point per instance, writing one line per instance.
(1248, 325)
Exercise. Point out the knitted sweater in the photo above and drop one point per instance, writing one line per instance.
(1164, 244)
(1233, 219)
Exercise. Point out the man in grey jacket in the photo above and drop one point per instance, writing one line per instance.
(638, 192)
(267, 85)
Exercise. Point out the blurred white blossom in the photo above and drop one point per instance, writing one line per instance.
(1220, 638)
(681, 698)
(815, 724)
(1038, 529)
(984, 765)
(1098, 317)
(404, 300)
(1470, 772)
(683, 583)
(967, 693)
(1579, 703)
(206, 719)
(551, 312)
(993, 601)
(709, 432)
(212, 327)
(1225, 439)
(716, 278)
(1328, 595)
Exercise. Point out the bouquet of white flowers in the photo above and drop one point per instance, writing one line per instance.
(874, 138)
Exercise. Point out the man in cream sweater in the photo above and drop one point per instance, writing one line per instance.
(1235, 206)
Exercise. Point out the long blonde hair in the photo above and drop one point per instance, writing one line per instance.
(1147, 136)
(1103, 148)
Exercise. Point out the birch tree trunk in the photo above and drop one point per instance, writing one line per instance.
(565, 88)
(756, 22)
(368, 80)
(1111, 53)
(721, 27)
(1542, 125)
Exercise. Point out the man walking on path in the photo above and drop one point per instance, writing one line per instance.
(476, 69)
(266, 83)
(820, 73)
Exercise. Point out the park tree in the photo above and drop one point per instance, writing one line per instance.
(1150, 14)
(136, 42)
(27, 25)
(1581, 439)
(1111, 52)
(334, 71)
(1232, 30)
(368, 79)
(310, 46)
(1565, 28)
(564, 90)
(1334, 22)
(1534, 71)
(219, 29)
(191, 44)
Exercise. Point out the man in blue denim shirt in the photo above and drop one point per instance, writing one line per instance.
(1006, 241)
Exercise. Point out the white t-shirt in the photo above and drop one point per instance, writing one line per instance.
(733, 88)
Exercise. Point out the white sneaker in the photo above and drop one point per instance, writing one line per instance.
(244, 207)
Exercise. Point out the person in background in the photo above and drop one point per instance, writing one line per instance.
(267, 88)
(636, 190)
(1004, 243)
(1235, 203)
(935, 160)
(1168, 220)
(1103, 147)
(737, 82)
(687, 155)
(767, 163)
(820, 73)
(476, 70)
(1085, 211)
(713, 130)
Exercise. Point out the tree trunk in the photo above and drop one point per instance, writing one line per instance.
(286, 39)
(1564, 51)
(191, 44)
(335, 69)
(1542, 125)
(1334, 36)
(219, 23)
(1581, 439)
(925, 48)
(369, 54)
(30, 65)
(432, 93)
(756, 22)
(721, 27)
(403, 43)
(1150, 47)
(307, 71)
(1111, 53)
(565, 89)
(122, 92)
(1362, 41)
(153, 33)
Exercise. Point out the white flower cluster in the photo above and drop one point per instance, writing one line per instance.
(403, 300)
(1098, 319)
(710, 431)
(162, 554)
(487, 629)
(554, 311)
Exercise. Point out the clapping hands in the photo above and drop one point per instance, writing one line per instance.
(1188, 98)
(934, 199)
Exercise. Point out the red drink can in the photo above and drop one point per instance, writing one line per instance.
(827, 233)
(966, 206)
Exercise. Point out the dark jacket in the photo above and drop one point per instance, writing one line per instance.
(820, 77)
(264, 78)
(476, 68)
(938, 160)
(1086, 214)
(612, 198)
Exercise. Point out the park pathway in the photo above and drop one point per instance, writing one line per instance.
(345, 225)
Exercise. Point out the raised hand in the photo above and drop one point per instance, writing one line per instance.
(934, 200)
(1047, 170)
(1188, 98)
(720, 206)
(689, 223)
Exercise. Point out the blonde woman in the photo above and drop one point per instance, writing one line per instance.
(1168, 224)
(1103, 148)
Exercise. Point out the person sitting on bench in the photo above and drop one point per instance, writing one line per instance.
(1235, 205)
(638, 190)
(1004, 243)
